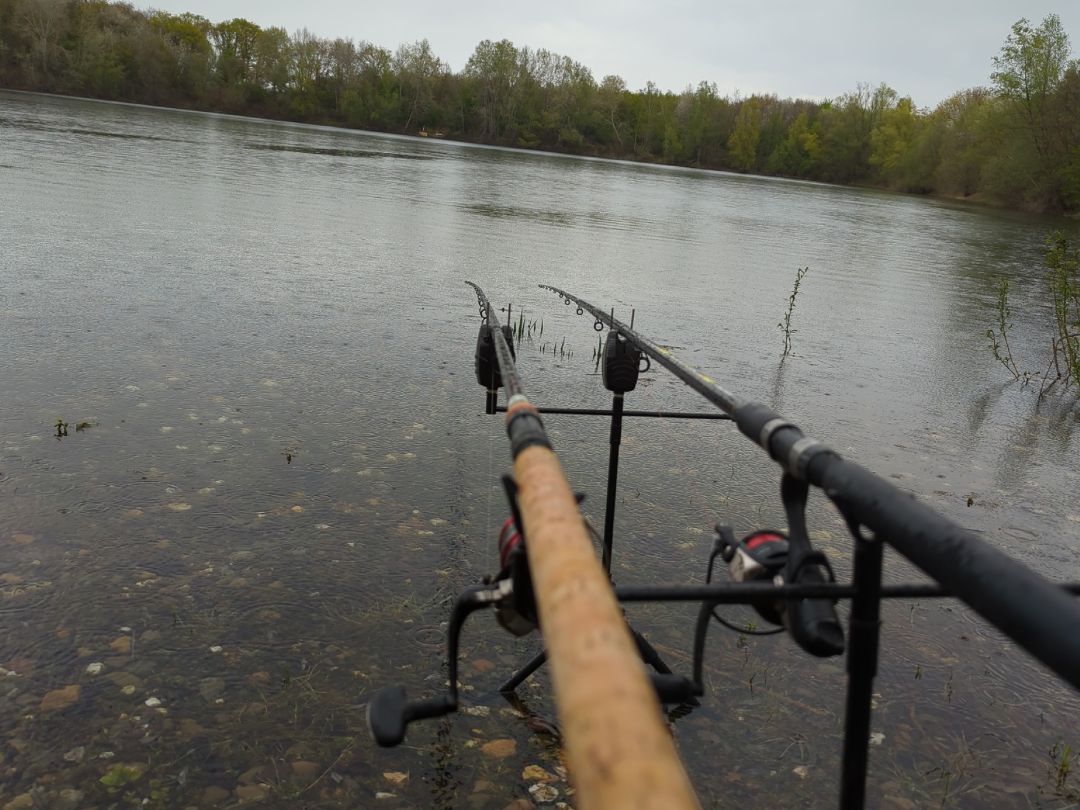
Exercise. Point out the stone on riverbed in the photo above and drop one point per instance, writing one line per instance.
(61, 698)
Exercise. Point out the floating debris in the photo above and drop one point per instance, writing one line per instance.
(95, 668)
(179, 506)
(153, 702)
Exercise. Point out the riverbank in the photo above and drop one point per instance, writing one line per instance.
(978, 199)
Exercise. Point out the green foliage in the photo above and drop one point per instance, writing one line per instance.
(743, 143)
(1017, 145)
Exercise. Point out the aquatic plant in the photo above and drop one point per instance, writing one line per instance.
(785, 324)
(1063, 261)
(1004, 316)
(1061, 764)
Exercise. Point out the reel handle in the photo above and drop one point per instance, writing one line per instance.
(390, 712)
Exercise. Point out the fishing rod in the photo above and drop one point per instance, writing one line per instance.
(550, 577)
(1006, 593)
(617, 745)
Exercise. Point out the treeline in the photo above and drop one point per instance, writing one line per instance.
(1015, 143)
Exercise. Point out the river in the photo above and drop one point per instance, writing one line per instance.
(277, 472)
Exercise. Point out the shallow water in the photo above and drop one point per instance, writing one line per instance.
(287, 475)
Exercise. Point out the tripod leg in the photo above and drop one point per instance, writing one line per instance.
(651, 657)
(649, 654)
(523, 673)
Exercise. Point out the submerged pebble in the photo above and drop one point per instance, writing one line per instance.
(500, 749)
(396, 778)
(534, 773)
(61, 698)
(544, 793)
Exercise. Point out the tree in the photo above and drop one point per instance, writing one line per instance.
(611, 92)
(236, 45)
(1029, 69)
(495, 69)
(418, 69)
(44, 22)
(891, 143)
(743, 143)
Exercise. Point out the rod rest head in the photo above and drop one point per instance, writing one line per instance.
(621, 364)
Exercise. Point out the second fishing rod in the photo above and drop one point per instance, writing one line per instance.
(1012, 597)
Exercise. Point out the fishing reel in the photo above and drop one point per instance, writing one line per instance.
(510, 593)
(759, 556)
(784, 558)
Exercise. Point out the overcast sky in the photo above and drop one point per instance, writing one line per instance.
(927, 49)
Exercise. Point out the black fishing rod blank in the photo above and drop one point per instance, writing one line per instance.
(1016, 600)
(1033, 613)
(702, 383)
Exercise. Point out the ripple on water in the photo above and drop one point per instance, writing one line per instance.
(431, 637)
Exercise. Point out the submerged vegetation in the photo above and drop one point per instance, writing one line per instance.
(1016, 143)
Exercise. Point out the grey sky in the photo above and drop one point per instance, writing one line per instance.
(811, 49)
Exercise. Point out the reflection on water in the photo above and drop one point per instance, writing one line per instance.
(312, 150)
(514, 212)
(288, 477)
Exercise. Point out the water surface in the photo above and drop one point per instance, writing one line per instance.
(287, 476)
